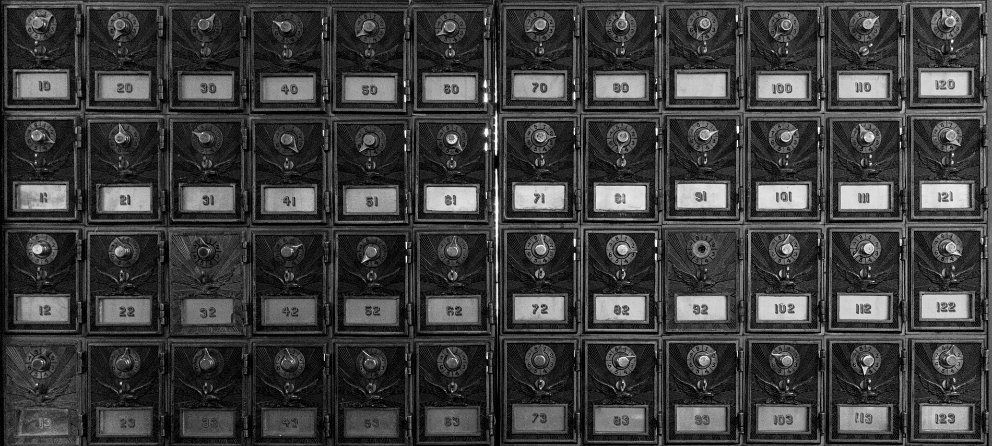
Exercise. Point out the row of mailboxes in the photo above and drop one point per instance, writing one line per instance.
(223, 170)
(227, 282)
(274, 392)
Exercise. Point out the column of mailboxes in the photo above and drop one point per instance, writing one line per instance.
(783, 194)
(197, 254)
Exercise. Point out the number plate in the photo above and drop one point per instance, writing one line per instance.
(620, 197)
(289, 423)
(451, 87)
(864, 419)
(369, 88)
(289, 200)
(864, 197)
(129, 422)
(371, 310)
(41, 197)
(782, 419)
(376, 200)
(123, 310)
(697, 308)
(787, 308)
(538, 308)
(208, 311)
(42, 309)
(207, 423)
(371, 423)
(294, 89)
(36, 422)
(783, 196)
(946, 82)
(945, 306)
(863, 307)
(446, 310)
(451, 199)
(540, 197)
(701, 419)
(621, 308)
(452, 421)
(864, 85)
(289, 312)
(702, 195)
(702, 84)
(778, 86)
(124, 199)
(539, 419)
(41, 85)
(620, 86)
(208, 199)
(941, 418)
(945, 195)
(620, 419)
(539, 85)
(120, 86)
(206, 87)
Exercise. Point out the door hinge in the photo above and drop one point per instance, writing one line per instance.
(163, 425)
(325, 24)
(327, 426)
(326, 246)
(160, 22)
(161, 362)
(245, 362)
(244, 251)
(80, 199)
(79, 24)
(327, 202)
(408, 252)
(79, 249)
(163, 315)
(161, 138)
(245, 426)
(740, 359)
(244, 29)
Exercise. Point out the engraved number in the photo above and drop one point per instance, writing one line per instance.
(621, 87)
(539, 418)
(538, 198)
(209, 423)
(125, 87)
(947, 307)
(208, 87)
(373, 310)
(451, 89)
(44, 310)
(125, 200)
(702, 420)
(43, 197)
(369, 90)
(621, 420)
(864, 197)
(454, 311)
(208, 313)
(862, 309)
(862, 87)
(862, 418)
(452, 421)
(700, 309)
(945, 197)
(208, 200)
(126, 311)
(540, 308)
(783, 197)
(291, 312)
(371, 423)
(620, 198)
(290, 423)
(290, 202)
(290, 89)
(128, 423)
(621, 310)
(943, 418)
(539, 86)
(44, 86)
(944, 84)
(785, 309)
(782, 420)
(700, 196)
(781, 88)
(450, 200)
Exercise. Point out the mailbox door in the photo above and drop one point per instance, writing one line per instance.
(371, 171)
(453, 392)
(208, 398)
(621, 391)
(702, 279)
(289, 381)
(372, 393)
(702, 164)
(784, 169)
(124, 63)
(783, 391)
(454, 282)
(126, 278)
(288, 65)
(783, 62)
(539, 169)
(43, 72)
(42, 392)
(372, 282)
(864, 57)
(540, 282)
(290, 163)
(539, 391)
(289, 279)
(864, 282)
(125, 170)
(701, 385)
(947, 167)
(206, 277)
(866, 169)
(701, 62)
(947, 61)
(41, 280)
(947, 279)
(453, 170)
(783, 276)
(864, 390)
(206, 57)
(621, 169)
(370, 58)
(947, 390)
(621, 57)
(207, 170)
(43, 177)
(539, 55)
(621, 280)
(452, 62)
(125, 392)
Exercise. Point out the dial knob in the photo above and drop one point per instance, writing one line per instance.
(285, 26)
(704, 23)
(369, 26)
(123, 252)
(38, 135)
(372, 251)
(205, 138)
(287, 139)
(866, 360)
(452, 250)
(949, 135)
(622, 24)
(205, 24)
(287, 251)
(622, 249)
(948, 359)
(786, 249)
(124, 363)
(704, 360)
(121, 137)
(621, 362)
(949, 247)
(541, 136)
(207, 363)
(785, 360)
(540, 249)
(540, 25)
(122, 26)
(452, 362)
(866, 248)
(868, 23)
(41, 249)
(40, 23)
(451, 139)
(371, 140)
(540, 360)
(949, 22)
(289, 363)
(705, 134)
(40, 364)
(786, 137)
(786, 25)
(370, 363)
(623, 137)
(449, 27)
(868, 137)
(206, 252)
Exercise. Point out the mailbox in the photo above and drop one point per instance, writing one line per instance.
(621, 280)
(784, 169)
(207, 170)
(701, 385)
(702, 279)
(864, 282)
(371, 282)
(41, 165)
(539, 169)
(42, 391)
(125, 170)
(208, 402)
(454, 282)
(370, 51)
(42, 58)
(784, 276)
(126, 277)
(454, 171)
(290, 393)
(701, 62)
(288, 66)
(864, 390)
(947, 61)
(41, 280)
(864, 57)
(621, 56)
(125, 392)
(783, 391)
(124, 45)
(783, 57)
(371, 388)
(621, 169)
(947, 167)
(539, 55)
(451, 67)
(453, 393)
(206, 59)
(539, 391)
(948, 385)
(289, 160)
(620, 383)
(866, 169)
(539, 290)
(206, 277)
(289, 281)
(702, 163)
(371, 171)
(947, 279)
